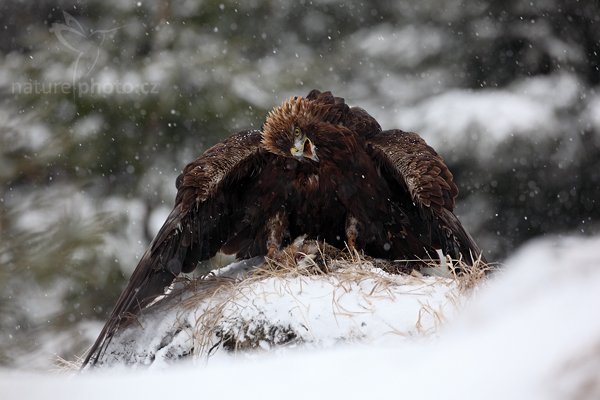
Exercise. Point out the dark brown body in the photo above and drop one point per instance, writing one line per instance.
(317, 200)
(317, 168)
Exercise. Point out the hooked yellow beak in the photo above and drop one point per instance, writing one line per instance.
(304, 148)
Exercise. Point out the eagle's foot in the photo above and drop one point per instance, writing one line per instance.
(276, 230)
(352, 235)
(273, 251)
(351, 242)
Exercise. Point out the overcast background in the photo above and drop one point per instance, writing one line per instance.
(104, 102)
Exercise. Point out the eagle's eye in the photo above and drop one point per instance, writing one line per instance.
(303, 147)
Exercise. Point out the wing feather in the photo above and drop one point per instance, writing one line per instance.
(406, 159)
(417, 166)
(195, 229)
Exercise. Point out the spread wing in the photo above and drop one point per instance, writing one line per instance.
(201, 221)
(406, 159)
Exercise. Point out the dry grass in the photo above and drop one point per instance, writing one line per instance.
(307, 260)
(208, 308)
(62, 366)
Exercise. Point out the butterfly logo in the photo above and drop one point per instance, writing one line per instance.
(87, 45)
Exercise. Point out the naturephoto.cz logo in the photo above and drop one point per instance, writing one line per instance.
(91, 87)
(87, 50)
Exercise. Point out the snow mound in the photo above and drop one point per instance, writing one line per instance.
(530, 332)
(245, 309)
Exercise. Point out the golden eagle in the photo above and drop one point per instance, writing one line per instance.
(317, 168)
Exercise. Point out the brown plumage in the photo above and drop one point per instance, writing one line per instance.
(317, 168)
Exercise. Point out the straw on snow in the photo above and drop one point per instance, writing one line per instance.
(238, 308)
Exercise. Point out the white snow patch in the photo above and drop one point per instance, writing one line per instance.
(88, 126)
(531, 333)
(592, 112)
(157, 218)
(479, 120)
(362, 304)
(559, 90)
(247, 87)
(407, 46)
(483, 117)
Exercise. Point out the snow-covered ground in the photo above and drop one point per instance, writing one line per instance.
(248, 312)
(530, 332)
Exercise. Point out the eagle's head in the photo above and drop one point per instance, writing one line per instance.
(290, 129)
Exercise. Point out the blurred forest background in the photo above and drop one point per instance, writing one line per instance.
(104, 101)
